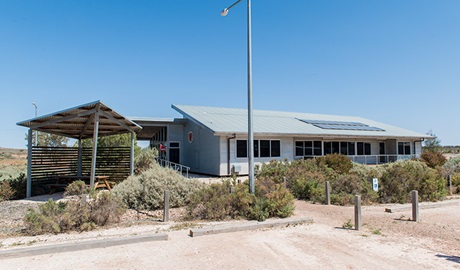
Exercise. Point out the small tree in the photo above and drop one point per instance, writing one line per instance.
(47, 139)
(432, 144)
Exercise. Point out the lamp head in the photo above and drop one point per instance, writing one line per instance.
(224, 12)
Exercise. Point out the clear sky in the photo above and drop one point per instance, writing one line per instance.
(394, 61)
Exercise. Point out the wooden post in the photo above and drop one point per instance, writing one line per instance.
(284, 181)
(166, 207)
(450, 184)
(415, 213)
(357, 212)
(328, 193)
(131, 156)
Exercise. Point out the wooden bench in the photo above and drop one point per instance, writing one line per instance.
(62, 181)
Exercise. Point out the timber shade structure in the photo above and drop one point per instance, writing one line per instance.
(87, 121)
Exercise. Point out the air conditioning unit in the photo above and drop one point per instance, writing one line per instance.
(236, 169)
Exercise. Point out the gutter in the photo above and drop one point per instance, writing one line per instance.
(228, 152)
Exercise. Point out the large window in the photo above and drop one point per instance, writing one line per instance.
(308, 148)
(363, 148)
(403, 148)
(241, 148)
(262, 148)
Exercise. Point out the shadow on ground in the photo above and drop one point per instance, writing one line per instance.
(454, 259)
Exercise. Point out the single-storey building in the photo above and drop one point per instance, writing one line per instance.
(213, 140)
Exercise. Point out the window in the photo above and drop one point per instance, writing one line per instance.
(241, 148)
(299, 149)
(351, 148)
(335, 147)
(404, 148)
(363, 148)
(344, 148)
(317, 148)
(262, 148)
(308, 148)
(275, 149)
(327, 148)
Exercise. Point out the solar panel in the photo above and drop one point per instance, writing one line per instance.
(340, 125)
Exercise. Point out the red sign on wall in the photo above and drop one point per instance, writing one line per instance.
(190, 137)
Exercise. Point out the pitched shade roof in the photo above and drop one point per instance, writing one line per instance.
(78, 122)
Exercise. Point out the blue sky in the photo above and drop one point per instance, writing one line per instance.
(394, 61)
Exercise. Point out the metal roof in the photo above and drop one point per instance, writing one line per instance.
(151, 125)
(228, 121)
(78, 122)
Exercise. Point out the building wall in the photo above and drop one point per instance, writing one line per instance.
(286, 152)
(175, 132)
(202, 153)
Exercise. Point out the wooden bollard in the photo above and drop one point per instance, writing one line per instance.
(357, 212)
(415, 214)
(328, 193)
(284, 181)
(166, 207)
(450, 184)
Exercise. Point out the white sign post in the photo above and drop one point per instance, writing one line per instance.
(375, 184)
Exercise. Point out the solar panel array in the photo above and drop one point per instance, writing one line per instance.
(339, 125)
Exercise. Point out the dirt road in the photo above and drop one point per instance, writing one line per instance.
(387, 241)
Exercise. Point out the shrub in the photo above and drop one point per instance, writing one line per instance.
(338, 162)
(217, 202)
(451, 166)
(76, 188)
(6, 192)
(347, 185)
(81, 215)
(401, 177)
(309, 186)
(18, 185)
(144, 160)
(146, 190)
(433, 159)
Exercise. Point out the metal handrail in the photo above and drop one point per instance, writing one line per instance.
(376, 159)
(176, 166)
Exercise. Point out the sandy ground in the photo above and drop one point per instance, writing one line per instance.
(387, 241)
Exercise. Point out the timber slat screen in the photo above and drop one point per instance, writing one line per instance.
(50, 162)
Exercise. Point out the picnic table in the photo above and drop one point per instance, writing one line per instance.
(63, 181)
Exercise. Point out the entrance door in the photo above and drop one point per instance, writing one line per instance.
(382, 152)
(174, 152)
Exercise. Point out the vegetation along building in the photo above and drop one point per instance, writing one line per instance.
(213, 140)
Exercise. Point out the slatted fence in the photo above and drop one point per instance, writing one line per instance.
(50, 162)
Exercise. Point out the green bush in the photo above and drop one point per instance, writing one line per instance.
(144, 160)
(433, 159)
(18, 185)
(451, 166)
(399, 178)
(6, 192)
(146, 190)
(217, 202)
(82, 215)
(76, 188)
(338, 162)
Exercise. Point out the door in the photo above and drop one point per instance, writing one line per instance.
(382, 152)
(174, 152)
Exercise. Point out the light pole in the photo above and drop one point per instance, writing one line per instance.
(224, 12)
(36, 132)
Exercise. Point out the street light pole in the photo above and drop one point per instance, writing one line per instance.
(250, 114)
(36, 132)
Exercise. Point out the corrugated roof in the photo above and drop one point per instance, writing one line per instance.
(78, 122)
(228, 120)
